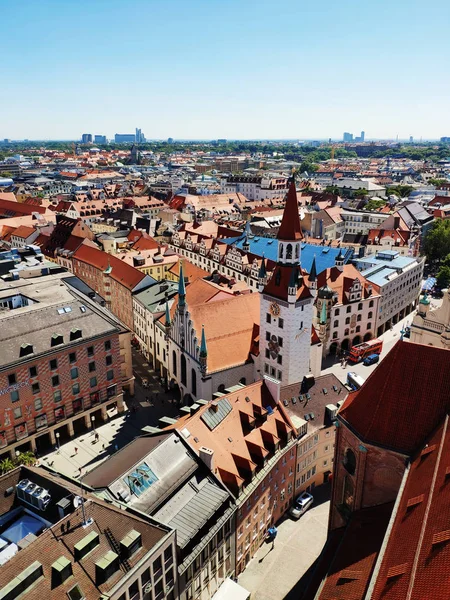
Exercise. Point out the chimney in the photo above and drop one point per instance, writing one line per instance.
(213, 406)
(207, 456)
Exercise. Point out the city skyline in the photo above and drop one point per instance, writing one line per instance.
(235, 70)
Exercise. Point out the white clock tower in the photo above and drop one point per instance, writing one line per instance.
(287, 305)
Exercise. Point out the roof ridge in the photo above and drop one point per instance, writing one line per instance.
(427, 512)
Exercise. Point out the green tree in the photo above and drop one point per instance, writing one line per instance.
(443, 277)
(362, 193)
(5, 174)
(332, 189)
(437, 182)
(374, 204)
(401, 191)
(308, 166)
(6, 465)
(436, 243)
(26, 458)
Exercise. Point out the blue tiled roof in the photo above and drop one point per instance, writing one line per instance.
(325, 255)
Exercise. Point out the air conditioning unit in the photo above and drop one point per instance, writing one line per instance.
(20, 488)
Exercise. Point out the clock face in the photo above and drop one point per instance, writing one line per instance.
(275, 309)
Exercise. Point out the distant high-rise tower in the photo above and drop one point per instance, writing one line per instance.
(411, 139)
(363, 135)
(139, 137)
(100, 139)
(348, 137)
(86, 138)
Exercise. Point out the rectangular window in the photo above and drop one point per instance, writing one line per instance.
(12, 379)
(55, 380)
(76, 389)
(280, 323)
(279, 359)
(110, 375)
(57, 396)
(72, 357)
(267, 336)
(268, 318)
(18, 413)
(14, 396)
(35, 388)
(90, 351)
(91, 367)
(37, 404)
(267, 353)
(74, 372)
(109, 360)
(93, 382)
(108, 345)
(33, 372)
(53, 364)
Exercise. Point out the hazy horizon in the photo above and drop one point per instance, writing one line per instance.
(235, 69)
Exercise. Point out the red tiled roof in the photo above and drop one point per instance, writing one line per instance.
(419, 531)
(290, 228)
(125, 274)
(409, 387)
(23, 231)
(279, 283)
(351, 569)
(12, 209)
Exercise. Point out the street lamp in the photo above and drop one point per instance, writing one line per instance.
(93, 422)
(57, 440)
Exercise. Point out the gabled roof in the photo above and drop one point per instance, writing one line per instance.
(290, 228)
(403, 400)
(282, 278)
(23, 231)
(121, 272)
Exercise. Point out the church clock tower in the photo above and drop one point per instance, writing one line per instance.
(287, 305)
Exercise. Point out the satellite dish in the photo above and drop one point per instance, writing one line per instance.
(77, 501)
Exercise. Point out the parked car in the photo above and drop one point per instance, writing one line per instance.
(301, 505)
(371, 359)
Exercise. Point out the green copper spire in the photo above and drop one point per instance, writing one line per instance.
(181, 287)
(425, 300)
(203, 347)
(168, 321)
(262, 269)
(323, 313)
(313, 273)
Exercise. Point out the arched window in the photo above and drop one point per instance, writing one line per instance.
(359, 318)
(358, 328)
(194, 382)
(280, 251)
(174, 363)
(183, 370)
(336, 312)
(350, 461)
(347, 321)
(369, 316)
(360, 306)
(347, 331)
(334, 335)
(369, 325)
(297, 250)
(336, 323)
(371, 304)
(289, 251)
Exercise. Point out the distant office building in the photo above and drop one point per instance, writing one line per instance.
(348, 137)
(445, 139)
(86, 138)
(121, 138)
(139, 137)
(411, 139)
(170, 140)
(222, 141)
(100, 139)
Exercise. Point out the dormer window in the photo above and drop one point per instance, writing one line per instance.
(25, 350)
(57, 339)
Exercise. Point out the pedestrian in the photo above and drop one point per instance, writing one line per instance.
(76, 451)
(97, 437)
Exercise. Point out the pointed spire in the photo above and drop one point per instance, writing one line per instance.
(313, 272)
(262, 269)
(168, 321)
(203, 347)
(181, 286)
(290, 228)
(323, 313)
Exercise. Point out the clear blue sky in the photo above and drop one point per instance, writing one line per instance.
(224, 68)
